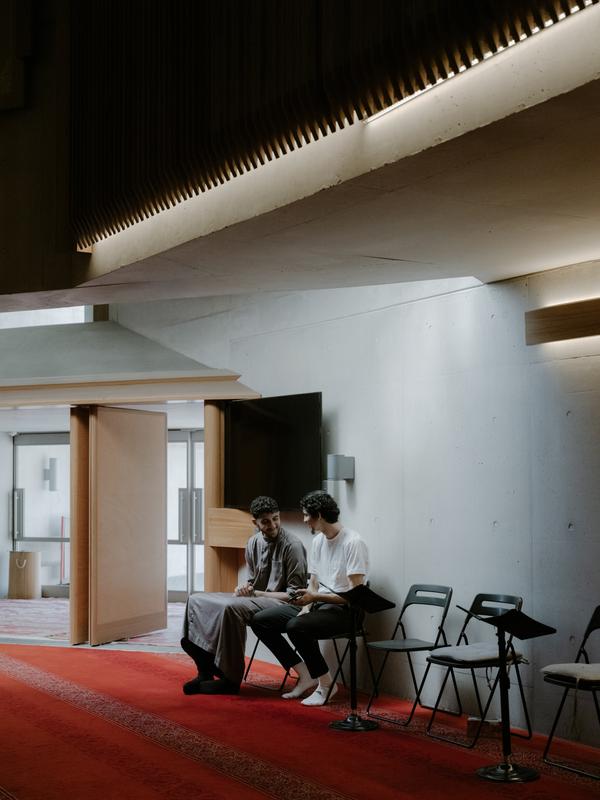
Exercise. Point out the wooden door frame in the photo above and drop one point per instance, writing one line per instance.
(226, 530)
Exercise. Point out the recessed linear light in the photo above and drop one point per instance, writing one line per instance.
(463, 68)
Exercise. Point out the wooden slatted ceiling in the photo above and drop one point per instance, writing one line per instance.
(170, 99)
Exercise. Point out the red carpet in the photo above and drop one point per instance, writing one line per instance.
(108, 724)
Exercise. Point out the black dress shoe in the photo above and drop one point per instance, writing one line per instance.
(216, 687)
(193, 686)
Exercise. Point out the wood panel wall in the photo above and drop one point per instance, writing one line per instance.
(79, 531)
(565, 321)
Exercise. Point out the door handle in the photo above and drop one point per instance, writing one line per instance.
(182, 516)
(197, 528)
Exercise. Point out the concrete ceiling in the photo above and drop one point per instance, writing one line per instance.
(483, 176)
(517, 196)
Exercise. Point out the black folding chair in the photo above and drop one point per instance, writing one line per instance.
(420, 594)
(361, 633)
(278, 688)
(472, 656)
(582, 676)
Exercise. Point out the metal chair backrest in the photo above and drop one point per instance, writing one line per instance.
(593, 625)
(489, 605)
(426, 594)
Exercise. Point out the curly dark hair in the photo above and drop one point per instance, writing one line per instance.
(263, 505)
(319, 502)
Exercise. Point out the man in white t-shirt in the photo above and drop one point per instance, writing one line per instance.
(339, 559)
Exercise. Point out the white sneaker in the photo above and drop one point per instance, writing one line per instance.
(318, 697)
(303, 685)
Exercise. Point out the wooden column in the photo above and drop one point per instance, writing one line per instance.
(221, 564)
(80, 525)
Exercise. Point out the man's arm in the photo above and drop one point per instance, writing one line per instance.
(304, 596)
(294, 560)
(275, 595)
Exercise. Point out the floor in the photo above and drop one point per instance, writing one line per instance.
(47, 621)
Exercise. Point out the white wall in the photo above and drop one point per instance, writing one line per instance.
(46, 316)
(6, 468)
(477, 458)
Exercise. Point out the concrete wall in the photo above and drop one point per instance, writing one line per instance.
(477, 458)
(6, 468)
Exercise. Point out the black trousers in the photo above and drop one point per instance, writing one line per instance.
(303, 630)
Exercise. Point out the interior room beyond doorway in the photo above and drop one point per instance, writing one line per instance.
(35, 462)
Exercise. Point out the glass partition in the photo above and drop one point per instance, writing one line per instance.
(41, 501)
(185, 558)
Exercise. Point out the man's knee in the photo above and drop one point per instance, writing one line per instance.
(262, 620)
(271, 619)
(236, 612)
(299, 624)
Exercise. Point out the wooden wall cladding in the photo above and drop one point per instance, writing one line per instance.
(228, 527)
(566, 321)
(80, 514)
(170, 99)
(15, 47)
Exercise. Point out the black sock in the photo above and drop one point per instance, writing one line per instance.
(204, 661)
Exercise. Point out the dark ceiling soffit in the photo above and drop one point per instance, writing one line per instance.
(170, 99)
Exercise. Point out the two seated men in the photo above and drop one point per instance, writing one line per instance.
(272, 599)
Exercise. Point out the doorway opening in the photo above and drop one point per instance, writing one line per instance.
(185, 485)
(41, 505)
(38, 483)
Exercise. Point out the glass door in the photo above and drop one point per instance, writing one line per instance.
(41, 501)
(185, 482)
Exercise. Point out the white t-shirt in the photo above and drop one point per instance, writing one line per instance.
(332, 560)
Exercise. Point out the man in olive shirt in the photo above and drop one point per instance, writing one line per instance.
(214, 630)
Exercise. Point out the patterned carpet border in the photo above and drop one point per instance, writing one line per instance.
(235, 764)
(524, 752)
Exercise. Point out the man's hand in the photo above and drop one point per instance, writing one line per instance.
(244, 590)
(303, 598)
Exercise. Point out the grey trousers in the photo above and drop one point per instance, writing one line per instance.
(216, 622)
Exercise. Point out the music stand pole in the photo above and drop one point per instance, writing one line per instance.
(353, 722)
(506, 771)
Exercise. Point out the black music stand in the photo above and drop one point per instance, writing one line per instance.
(519, 625)
(360, 598)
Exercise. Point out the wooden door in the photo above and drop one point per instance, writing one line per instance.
(127, 523)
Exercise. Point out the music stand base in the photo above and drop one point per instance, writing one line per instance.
(354, 722)
(508, 773)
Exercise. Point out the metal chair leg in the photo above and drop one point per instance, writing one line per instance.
(340, 671)
(554, 724)
(369, 662)
(529, 733)
(281, 686)
(560, 764)
(483, 710)
(436, 708)
(247, 672)
(375, 691)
